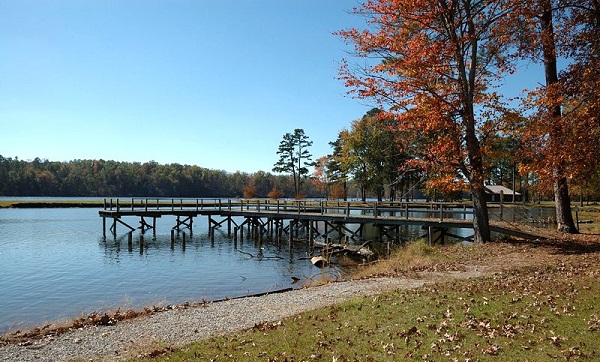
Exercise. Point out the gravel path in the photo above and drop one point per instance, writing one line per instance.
(179, 326)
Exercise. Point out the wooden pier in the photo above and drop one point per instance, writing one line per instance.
(275, 218)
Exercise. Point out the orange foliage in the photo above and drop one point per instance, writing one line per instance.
(275, 193)
(250, 191)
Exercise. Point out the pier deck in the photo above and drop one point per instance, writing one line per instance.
(268, 216)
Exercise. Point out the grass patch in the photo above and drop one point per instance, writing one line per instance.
(414, 255)
(544, 313)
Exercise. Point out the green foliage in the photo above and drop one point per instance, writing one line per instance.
(112, 178)
(294, 157)
(371, 153)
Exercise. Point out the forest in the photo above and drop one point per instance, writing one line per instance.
(102, 178)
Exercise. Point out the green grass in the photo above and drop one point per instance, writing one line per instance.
(545, 313)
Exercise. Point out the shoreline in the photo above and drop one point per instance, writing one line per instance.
(179, 325)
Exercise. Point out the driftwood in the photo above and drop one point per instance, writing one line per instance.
(319, 261)
(362, 250)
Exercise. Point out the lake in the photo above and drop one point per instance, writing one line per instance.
(55, 265)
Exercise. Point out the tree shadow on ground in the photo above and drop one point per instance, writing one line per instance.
(571, 246)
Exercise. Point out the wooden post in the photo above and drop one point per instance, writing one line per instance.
(406, 209)
(153, 224)
(501, 203)
(577, 217)
(183, 240)
(229, 226)
(375, 212)
(172, 237)
(104, 227)
(130, 239)
(141, 243)
(441, 212)
(311, 236)
(118, 205)
(132, 204)
(430, 234)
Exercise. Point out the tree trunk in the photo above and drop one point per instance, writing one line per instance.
(564, 218)
(481, 222)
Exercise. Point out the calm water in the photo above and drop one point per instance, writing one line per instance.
(55, 265)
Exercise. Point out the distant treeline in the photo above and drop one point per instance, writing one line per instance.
(110, 178)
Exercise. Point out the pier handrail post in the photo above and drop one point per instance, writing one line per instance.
(347, 208)
(157, 204)
(406, 208)
(278, 206)
(197, 208)
(180, 204)
(104, 202)
(111, 204)
(229, 204)
(118, 205)
(441, 211)
(375, 212)
(172, 204)
(132, 204)
(241, 204)
(299, 206)
(220, 205)
(201, 204)
(258, 205)
(146, 205)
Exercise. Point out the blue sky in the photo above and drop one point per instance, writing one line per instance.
(209, 83)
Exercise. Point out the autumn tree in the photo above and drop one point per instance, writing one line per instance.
(431, 65)
(320, 176)
(294, 157)
(563, 134)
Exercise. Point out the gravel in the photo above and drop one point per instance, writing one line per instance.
(180, 326)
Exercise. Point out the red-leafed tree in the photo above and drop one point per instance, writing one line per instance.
(563, 135)
(431, 65)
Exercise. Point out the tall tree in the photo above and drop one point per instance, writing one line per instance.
(564, 134)
(370, 153)
(294, 157)
(432, 63)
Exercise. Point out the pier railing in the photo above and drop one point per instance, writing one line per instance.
(376, 209)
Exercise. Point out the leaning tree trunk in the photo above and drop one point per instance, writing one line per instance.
(564, 218)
